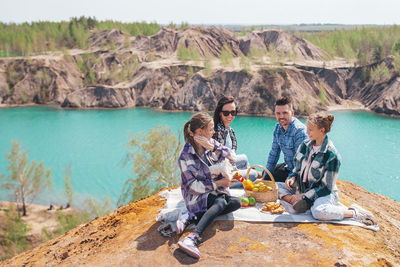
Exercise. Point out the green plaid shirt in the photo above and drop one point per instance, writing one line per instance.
(323, 172)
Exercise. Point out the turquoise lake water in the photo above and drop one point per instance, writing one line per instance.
(93, 143)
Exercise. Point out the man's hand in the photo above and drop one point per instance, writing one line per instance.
(291, 199)
(290, 182)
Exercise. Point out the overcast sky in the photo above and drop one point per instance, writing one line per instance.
(250, 12)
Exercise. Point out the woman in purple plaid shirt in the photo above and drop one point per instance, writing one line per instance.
(205, 198)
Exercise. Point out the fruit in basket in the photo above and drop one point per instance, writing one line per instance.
(269, 188)
(245, 201)
(262, 188)
(252, 201)
(256, 189)
(248, 185)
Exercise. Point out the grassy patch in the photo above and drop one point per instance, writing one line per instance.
(188, 54)
(207, 67)
(322, 94)
(379, 73)
(14, 232)
(245, 64)
(9, 54)
(86, 65)
(38, 37)
(363, 43)
(226, 56)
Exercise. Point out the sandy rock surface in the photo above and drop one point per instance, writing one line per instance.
(129, 237)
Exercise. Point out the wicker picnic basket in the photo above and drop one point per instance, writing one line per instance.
(267, 196)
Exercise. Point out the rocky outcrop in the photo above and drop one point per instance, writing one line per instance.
(99, 97)
(375, 85)
(145, 71)
(207, 41)
(41, 80)
(279, 41)
(129, 237)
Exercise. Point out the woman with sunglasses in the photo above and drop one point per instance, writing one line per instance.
(224, 114)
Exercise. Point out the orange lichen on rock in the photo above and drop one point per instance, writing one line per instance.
(129, 237)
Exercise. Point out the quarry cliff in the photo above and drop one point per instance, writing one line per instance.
(190, 69)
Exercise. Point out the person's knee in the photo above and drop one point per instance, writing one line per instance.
(319, 212)
(221, 203)
(236, 203)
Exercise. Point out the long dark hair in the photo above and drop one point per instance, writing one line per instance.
(217, 113)
(199, 120)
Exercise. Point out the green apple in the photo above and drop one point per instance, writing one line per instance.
(252, 201)
(245, 201)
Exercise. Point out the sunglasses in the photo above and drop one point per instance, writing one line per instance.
(227, 112)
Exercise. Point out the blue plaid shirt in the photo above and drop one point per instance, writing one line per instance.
(288, 142)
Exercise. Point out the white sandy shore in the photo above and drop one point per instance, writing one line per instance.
(348, 105)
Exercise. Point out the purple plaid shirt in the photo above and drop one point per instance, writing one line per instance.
(196, 182)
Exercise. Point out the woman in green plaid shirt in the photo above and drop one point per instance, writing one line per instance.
(312, 183)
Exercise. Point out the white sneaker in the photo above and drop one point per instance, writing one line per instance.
(362, 215)
(181, 225)
(190, 245)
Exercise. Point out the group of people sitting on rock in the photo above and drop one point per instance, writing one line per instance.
(306, 179)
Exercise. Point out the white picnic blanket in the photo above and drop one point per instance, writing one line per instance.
(175, 208)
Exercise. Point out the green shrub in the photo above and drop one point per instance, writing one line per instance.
(396, 48)
(322, 94)
(245, 64)
(226, 56)
(87, 65)
(184, 25)
(187, 54)
(304, 105)
(12, 76)
(256, 55)
(365, 75)
(43, 80)
(243, 32)
(397, 62)
(111, 46)
(37, 37)
(207, 66)
(154, 157)
(378, 53)
(375, 42)
(379, 73)
(172, 25)
(14, 232)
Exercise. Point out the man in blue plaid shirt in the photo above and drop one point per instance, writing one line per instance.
(289, 133)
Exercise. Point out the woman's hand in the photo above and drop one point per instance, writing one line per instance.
(224, 182)
(203, 141)
(290, 182)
